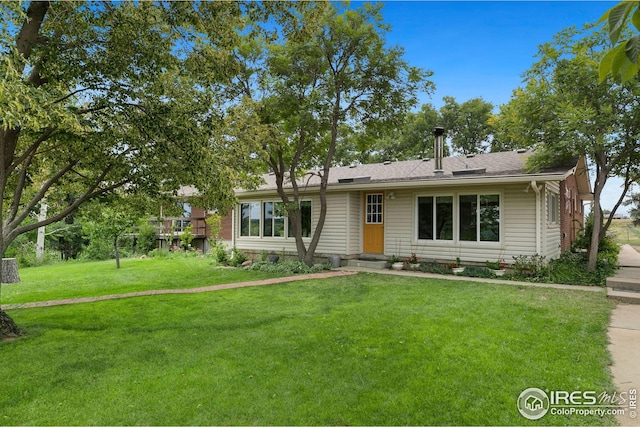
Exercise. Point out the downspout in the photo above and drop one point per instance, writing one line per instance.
(536, 190)
(233, 227)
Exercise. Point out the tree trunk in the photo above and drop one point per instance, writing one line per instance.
(601, 180)
(117, 253)
(8, 328)
(10, 270)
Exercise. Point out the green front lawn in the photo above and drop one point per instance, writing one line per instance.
(355, 350)
(88, 279)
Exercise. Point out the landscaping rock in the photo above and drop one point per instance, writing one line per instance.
(247, 263)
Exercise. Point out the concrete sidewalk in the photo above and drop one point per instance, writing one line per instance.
(624, 335)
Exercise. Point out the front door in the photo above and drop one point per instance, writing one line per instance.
(373, 229)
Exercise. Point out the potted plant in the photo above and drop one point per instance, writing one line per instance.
(497, 267)
(396, 263)
(412, 262)
(457, 267)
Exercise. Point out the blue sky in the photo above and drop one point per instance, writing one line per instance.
(479, 48)
(482, 48)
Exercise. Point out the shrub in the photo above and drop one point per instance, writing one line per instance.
(219, 252)
(473, 271)
(288, 267)
(147, 238)
(571, 269)
(433, 267)
(607, 250)
(530, 266)
(237, 257)
(159, 253)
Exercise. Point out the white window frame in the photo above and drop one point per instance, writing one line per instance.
(553, 208)
(478, 240)
(433, 231)
(261, 204)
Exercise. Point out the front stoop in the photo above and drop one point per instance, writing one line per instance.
(623, 288)
(378, 265)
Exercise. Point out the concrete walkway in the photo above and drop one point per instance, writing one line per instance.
(178, 291)
(624, 336)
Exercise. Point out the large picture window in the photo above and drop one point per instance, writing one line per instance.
(479, 218)
(250, 219)
(269, 219)
(435, 218)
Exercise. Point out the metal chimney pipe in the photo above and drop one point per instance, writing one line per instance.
(438, 148)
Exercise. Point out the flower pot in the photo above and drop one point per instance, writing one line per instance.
(397, 266)
(415, 266)
(458, 270)
(498, 272)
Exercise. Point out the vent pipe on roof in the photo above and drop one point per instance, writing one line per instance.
(438, 148)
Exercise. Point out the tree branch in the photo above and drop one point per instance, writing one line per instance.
(64, 213)
(31, 150)
(39, 196)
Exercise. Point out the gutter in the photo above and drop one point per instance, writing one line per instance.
(421, 183)
(536, 190)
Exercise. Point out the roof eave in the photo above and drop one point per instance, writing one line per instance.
(444, 181)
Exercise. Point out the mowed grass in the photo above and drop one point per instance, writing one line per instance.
(87, 279)
(625, 232)
(356, 350)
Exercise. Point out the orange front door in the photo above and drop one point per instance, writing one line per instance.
(373, 228)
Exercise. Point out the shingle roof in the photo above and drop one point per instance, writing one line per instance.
(507, 163)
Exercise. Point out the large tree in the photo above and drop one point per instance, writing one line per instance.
(104, 95)
(467, 124)
(563, 112)
(325, 70)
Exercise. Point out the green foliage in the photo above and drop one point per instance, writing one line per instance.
(287, 267)
(608, 249)
(436, 268)
(571, 269)
(475, 271)
(323, 70)
(186, 237)
(530, 266)
(357, 350)
(493, 265)
(159, 253)
(214, 221)
(219, 251)
(147, 238)
(564, 114)
(622, 62)
(24, 250)
(237, 257)
(97, 97)
(467, 124)
(634, 201)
